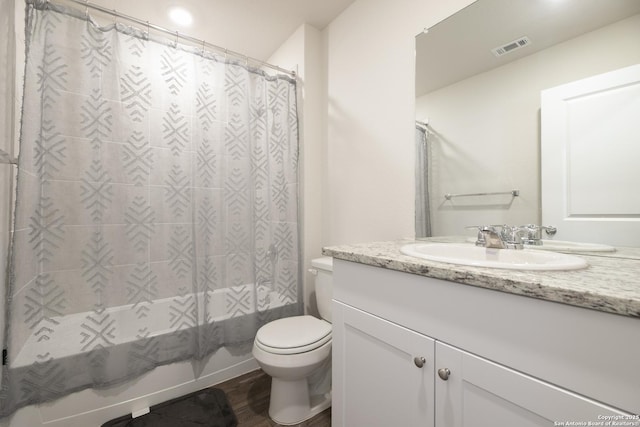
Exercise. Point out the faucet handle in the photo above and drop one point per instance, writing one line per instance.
(480, 237)
(513, 235)
(534, 233)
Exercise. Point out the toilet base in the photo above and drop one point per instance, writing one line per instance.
(291, 404)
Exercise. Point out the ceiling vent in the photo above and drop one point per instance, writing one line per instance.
(511, 46)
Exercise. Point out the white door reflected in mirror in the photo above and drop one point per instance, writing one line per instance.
(590, 147)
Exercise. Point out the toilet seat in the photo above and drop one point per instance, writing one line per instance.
(293, 335)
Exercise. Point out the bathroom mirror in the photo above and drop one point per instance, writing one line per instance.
(479, 75)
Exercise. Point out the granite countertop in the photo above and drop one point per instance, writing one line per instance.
(611, 283)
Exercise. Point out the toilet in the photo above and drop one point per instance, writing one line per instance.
(296, 353)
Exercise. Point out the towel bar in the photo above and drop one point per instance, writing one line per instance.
(514, 193)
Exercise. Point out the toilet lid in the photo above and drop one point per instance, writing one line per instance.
(292, 335)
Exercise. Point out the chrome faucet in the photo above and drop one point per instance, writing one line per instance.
(491, 238)
(511, 237)
(500, 236)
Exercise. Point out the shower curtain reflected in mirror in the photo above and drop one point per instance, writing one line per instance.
(422, 216)
(156, 216)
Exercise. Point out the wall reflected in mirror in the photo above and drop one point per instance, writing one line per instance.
(479, 76)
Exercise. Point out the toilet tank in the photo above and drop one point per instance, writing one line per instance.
(323, 270)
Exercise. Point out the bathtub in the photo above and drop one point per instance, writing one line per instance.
(92, 407)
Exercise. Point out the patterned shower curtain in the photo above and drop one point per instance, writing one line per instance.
(156, 214)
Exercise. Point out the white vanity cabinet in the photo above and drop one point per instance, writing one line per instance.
(490, 358)
(385, 372)
(478, 392)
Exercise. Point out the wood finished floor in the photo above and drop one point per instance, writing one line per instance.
(249, 397)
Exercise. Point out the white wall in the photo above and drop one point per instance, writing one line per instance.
(487, 128)
(9, 38)
(369, 189)
(303, 51)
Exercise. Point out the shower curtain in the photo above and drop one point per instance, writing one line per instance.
(148, 171)
(422, 215)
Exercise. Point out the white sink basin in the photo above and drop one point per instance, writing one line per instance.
(464, 254)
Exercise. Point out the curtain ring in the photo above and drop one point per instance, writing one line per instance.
(203, 48)
(86, 9)
(177, 36)
(226, 51)
(115, 17)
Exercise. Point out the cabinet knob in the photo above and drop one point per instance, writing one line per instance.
(419, 361)
(444, 373)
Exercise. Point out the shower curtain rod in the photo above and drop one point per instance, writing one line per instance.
(178, 35)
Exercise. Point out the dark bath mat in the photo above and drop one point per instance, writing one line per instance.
(205, 408)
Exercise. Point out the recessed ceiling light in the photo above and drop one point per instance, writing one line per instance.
(181, 16)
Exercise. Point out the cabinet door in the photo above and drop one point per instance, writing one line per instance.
(377, 380)
(482, 393)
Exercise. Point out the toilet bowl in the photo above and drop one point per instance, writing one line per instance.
(296, 353)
